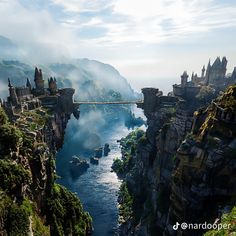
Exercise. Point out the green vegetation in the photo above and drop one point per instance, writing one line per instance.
(18, 216)
(35, 119)
(10, 138)
(129, 147)
(18, 161)
(118, 166)
(126, 203)
(228, 219)
(3, 117)
(114, 95)
(13, 176)
(63, 206)
(228, 99)
(143, 140)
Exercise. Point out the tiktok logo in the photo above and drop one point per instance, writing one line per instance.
(176, 226)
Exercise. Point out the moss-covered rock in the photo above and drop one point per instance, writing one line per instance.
(227, 220)
(66, 215)
(30, 201)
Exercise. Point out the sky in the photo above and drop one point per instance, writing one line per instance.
(148, 41)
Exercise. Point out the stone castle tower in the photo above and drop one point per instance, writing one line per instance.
(52, 85)
(13, 99)
(184, 79)
(217, 71)
(39, 81)
(203, 72)
(28, 84)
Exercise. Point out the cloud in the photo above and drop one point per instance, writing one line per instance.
(149, 21)
(136, 31)
(39, 37)
(79, 6)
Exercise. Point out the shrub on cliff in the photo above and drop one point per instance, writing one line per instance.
(118, 166)
(227, 219)
(3, 117)
(12, 177)
(126, 203)
(66, 215)
(10, 138)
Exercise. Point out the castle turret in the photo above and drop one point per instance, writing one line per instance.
(203, 71)
(39, 82)
(208, 71)
(28, 84)
(192, 77)
(184, 79)
(52, 85)
(224, 66)
(13, 99)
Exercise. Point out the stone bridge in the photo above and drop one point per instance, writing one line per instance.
(107, 102)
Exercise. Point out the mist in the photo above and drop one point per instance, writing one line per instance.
(83, 136)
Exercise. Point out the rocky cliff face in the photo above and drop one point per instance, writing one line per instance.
(30, 201)
(173, 177)
(203, 181)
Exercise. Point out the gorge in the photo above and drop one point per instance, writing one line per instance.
(181, 169)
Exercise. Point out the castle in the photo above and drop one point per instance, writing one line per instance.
(214, 76)
(29, 98)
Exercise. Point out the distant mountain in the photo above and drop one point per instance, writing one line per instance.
(91, 79)
(96, 75)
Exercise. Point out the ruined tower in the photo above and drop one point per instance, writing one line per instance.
(52, 85)
(39, 82)
(12, 94)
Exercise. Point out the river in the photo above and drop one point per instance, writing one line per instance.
(97, 188)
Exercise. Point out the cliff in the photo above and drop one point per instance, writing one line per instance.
(182, 169)
(31, 203)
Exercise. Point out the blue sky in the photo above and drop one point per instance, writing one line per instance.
(146, 40)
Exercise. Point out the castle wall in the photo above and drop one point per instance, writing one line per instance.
(23, 93)
(192, 91)
(65, 100)
(177, 90)
(150, 99)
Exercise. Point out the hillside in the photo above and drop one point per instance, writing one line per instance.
(91, 79)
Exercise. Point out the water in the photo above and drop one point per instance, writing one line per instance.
(97, 188)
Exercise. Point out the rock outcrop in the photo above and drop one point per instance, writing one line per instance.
(183, 169)
(31, 203)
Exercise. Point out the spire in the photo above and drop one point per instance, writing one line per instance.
(36, 74)
(40, 74)
(209, 64)
(9, 83)
(28, 84)
(203, 71)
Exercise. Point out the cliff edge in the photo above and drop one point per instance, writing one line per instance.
(31, 203)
